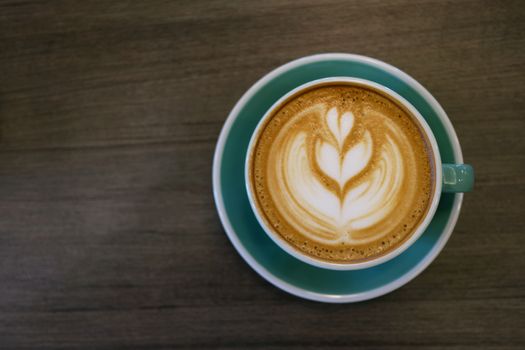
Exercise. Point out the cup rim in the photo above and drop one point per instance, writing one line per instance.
(287, 247)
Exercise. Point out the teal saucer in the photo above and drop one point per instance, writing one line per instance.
(252, 243)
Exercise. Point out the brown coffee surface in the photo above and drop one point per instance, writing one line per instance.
(343, 173)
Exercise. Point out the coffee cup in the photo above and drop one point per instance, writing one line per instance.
(344, 173)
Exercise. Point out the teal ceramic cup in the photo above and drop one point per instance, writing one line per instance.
(272, 262)
(451, 178)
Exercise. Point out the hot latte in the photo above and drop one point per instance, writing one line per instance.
(342, 172)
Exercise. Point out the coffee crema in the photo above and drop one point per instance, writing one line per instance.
(342, 172)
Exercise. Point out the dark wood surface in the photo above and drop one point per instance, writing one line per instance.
(109, 114)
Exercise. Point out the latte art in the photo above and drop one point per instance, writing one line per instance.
(342, 173)
(318, 188)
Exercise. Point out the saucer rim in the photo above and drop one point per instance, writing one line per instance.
(260, 269)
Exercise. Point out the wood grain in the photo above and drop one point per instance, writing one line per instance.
(109, 114)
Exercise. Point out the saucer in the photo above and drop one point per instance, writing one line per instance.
(243, 229)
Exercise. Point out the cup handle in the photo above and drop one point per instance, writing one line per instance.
(457, 178)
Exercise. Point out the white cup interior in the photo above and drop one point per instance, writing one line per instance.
(283, 244)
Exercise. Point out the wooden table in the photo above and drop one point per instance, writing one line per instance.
(109, 114)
